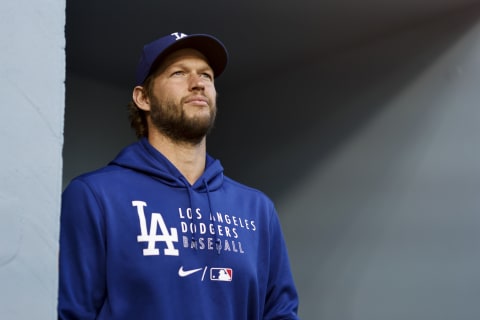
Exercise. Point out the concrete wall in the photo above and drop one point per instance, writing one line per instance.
(32, 73)
(372, 157)
(384, 222)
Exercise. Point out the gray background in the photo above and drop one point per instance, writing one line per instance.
(359, 118)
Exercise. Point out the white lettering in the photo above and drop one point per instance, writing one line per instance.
(201, 243)
(220, 231)
(199, 214)
(227, 246)
(212, 228)
(178, 35)
(240, 247)
(212, 244)
(227, 232)
(180, 213)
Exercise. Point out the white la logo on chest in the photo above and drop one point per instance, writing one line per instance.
(169, 237)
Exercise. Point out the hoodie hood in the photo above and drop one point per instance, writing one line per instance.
(143, 157)
(137, 231)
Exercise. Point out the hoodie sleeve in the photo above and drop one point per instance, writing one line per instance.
(282, 298)
(82, 254)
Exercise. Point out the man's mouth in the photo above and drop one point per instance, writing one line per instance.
(197, 100)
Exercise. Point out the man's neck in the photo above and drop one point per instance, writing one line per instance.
(189, 159)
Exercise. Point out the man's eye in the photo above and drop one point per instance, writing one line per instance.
(178, 73)
(207, 76)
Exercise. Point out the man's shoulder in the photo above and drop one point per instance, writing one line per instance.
(100, 175)
(241, 187)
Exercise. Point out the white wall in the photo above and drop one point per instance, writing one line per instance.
(32, 73)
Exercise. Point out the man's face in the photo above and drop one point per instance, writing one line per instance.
(183, 99)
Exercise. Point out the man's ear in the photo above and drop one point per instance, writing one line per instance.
(140, 98)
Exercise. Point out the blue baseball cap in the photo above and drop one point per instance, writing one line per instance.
(208, 45)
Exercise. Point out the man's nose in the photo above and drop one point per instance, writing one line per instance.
(196, 82)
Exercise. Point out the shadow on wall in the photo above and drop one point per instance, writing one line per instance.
(272, 131)
(358, 248)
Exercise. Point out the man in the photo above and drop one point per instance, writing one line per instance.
(161, 233)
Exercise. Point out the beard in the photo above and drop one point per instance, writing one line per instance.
(170, 119)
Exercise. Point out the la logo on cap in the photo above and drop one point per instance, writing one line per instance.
(178, 35)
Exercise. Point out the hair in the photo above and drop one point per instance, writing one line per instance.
(137, 116)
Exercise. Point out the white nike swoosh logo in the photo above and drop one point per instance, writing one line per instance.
(184, 273)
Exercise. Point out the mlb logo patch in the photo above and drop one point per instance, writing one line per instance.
(221, 274)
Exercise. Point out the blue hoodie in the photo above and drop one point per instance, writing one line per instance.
(137, 241)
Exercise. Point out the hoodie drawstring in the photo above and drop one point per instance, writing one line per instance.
(218, 244)
(190, 197)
